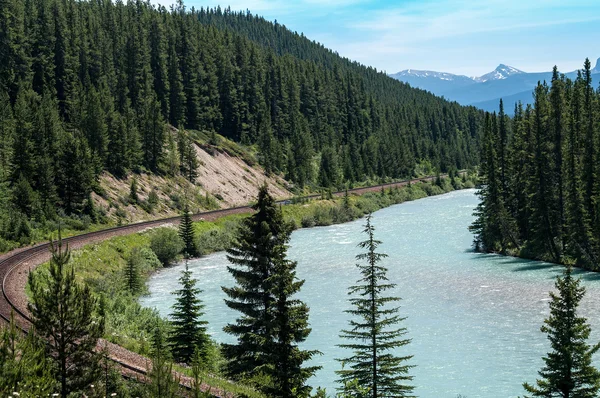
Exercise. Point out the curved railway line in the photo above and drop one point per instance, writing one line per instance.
(16, 265)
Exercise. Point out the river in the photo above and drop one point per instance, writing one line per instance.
(474, 319)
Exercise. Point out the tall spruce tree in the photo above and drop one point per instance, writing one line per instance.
(133, 279)
(568, 371)
(64, 313)
(188, 160)
(374, 333)
(186, 232)
(188, 332)
(272, 322)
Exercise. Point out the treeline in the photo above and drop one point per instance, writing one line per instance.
(540, 192)
(91, 86)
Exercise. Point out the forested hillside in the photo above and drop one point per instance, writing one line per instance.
(541, 175)
(90, 86)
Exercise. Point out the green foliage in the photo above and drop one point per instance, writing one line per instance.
(162, 381)
(374, 332)
(272, 322)
(102, 267)
(24, 364)
(166, 244)
(133, 191)
(188, 330)
(64, 311)
(568, 369)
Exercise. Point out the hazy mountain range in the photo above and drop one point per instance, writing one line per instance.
(506, 82)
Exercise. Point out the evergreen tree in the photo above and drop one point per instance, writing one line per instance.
(188, 160)
(133, 279)
(544, 215)
(186, 232)
(272, 322)
(188, 332)
(153, 133)
(568, 369)
(259, 238)
(63, 312)
(75, 174)
(374, 334)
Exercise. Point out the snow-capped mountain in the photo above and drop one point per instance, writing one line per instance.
(433, 81)
(430, 74)
(484, 91)
(500, 73)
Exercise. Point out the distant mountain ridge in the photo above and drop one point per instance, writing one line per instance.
(484, 91)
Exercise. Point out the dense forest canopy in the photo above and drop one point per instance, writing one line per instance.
(91, 86)
(541, 175)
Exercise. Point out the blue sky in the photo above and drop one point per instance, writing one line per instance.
(468, 37)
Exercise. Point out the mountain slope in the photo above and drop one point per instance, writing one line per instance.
(227, 176)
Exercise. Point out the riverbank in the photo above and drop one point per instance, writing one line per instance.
(102, 266)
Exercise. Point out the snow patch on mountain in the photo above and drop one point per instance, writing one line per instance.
(428, 74)
(500, 73)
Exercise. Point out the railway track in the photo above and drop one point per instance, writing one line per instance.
(16, 265)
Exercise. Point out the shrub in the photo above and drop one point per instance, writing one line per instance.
(214, 240)
(150, 260)
(153, 198)
(166, 244)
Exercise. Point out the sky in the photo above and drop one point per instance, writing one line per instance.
(469, 37)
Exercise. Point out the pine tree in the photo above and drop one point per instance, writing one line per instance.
(63, 312)
(258, 243)
(133, 279)
(188, 160)
(272, 322)
(544, 217)
(485, 227)
(75, 174)
(186, 232)
(374, 333)
(188, 332)
(568, 370)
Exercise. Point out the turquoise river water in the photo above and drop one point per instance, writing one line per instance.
(474, 319)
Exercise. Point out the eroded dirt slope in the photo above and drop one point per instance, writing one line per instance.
(223, 181)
